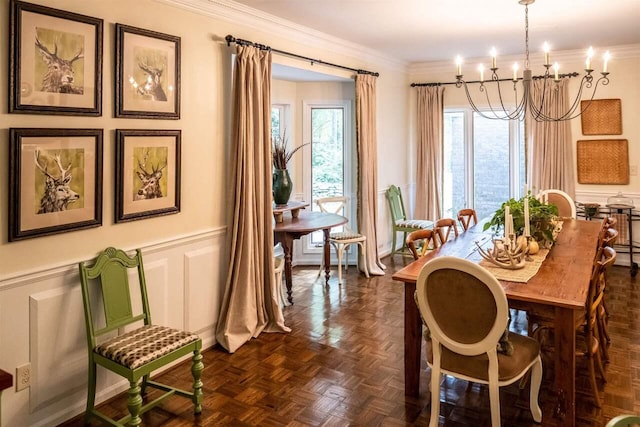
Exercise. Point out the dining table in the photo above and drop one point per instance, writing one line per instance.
(291, 228)
(558, 290)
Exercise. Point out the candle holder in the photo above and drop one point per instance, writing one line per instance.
(506, 253)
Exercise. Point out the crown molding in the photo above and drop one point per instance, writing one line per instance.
(567, 56)
(231, 11)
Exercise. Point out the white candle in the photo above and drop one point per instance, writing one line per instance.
(527, 231)
(493, 58)
(515, 71)
(547, 56)
(510, 225)
(506, 221)
(606, 60)
(556, 67)
(481, 69)
(589, 56)
(458, 65)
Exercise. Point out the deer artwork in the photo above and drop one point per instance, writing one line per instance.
(57, 193)
(59, 77)
(150, 181)
(152, 86)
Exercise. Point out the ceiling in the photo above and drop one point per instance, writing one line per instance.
(417, 31)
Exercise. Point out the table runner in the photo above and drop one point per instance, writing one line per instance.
(521, 275)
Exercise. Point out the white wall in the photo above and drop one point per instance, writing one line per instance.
(185, 254)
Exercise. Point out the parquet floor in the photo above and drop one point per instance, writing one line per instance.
(342, 365)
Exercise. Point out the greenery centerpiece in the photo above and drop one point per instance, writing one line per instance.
(282, 185)
(543, 219)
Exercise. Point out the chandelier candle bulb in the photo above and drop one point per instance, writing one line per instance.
(515, 71)
(606, 59)
(589, 56)
(458, 65)
(556, 67)
(547, 54)
(493, 58)
(481, 69)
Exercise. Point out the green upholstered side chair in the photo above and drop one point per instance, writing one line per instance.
(399, 221)
(108, 307)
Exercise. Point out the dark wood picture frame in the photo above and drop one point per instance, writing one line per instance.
(55, 61)
(55, 181)
(147, 173)
(147, 74)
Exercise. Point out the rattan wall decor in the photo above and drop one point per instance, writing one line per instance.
(603, 161)
(601, 117)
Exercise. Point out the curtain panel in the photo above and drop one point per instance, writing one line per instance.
(250, 304)
(429, 152)
(366, 129)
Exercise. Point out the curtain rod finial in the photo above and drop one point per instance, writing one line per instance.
(230, 39)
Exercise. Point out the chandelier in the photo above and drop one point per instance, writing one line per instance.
(524, 100)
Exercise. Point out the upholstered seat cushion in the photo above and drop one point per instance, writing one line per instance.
(414, 223)
(144, 345)
(525, 351)
(345, 235)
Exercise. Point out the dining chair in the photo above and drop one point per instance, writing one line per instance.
(624, 421)
(444, 227)
(278, 269)
(589, 336)
(466, 311)
(564, 202)
(465, 216)
(341, 240)
(112, 305)
(420, 242)
(399, 221)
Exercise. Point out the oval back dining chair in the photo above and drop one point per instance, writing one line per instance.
(399, 221)
(466, 311)
(109, 307)
(341, 240)
(564, 202)
(624, 421)
(465, 216)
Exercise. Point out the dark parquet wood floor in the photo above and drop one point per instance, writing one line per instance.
(342, 365)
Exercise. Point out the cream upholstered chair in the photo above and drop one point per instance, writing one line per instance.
(278, 268)
(341, 240)
(624, 421)
(466, 312)
(564, 202)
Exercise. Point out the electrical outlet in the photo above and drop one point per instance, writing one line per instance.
(23, 376)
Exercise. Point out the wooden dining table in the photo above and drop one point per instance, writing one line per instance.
(558, 291)
(292, 228)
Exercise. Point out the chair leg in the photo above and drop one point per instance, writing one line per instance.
(536, 380)
(340, 251)
(592, 379)
(91, 392)
(196, 371)
(393, 242)
(143, 387)
(435, 397)
(494, 402)
(134, 403)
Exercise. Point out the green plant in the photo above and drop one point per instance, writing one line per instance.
(280, 150)
(542, 218)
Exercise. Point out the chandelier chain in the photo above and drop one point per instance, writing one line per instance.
(526, 38)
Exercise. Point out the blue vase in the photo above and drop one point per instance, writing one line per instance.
(282, 186)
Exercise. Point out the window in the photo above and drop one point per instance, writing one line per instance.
(483, 162)
(328, 128)
(278, 123)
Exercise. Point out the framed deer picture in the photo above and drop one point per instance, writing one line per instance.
(147, 74)
(56, 61)
(55, 181)
(147, 173)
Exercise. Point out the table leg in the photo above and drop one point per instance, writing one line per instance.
(412, 342)
(327, 255)
(286, 240)
(565, 364)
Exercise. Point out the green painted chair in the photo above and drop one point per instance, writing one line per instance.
(624, 421)
(108, 307)
(399, 221)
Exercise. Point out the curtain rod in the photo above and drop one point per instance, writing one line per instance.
(230, 39)
(569, 75)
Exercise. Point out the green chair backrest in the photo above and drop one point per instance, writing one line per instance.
(105, 285)
(396, 205)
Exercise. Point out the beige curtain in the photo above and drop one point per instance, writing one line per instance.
(550, 143)
(250, 303)
(429, 152)
(368, 169)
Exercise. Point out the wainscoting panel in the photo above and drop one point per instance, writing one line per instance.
(202, 301)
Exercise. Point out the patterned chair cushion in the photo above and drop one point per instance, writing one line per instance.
(144, 345)
(345, 235)
(414, 223)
